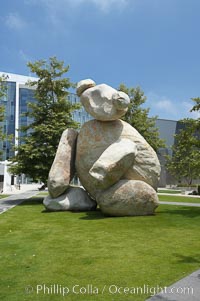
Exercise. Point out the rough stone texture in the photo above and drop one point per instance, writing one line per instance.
(128, 198)
(121, 100)
(74, 199)
(63, 167)
(104, 103)
(83, 85)
(114, 162)
(96, 136)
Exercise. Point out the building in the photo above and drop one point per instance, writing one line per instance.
(80, 115)
(15, 102)
(167, 130)
(18, 94)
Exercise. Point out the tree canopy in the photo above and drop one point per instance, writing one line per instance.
(51, 114)
(196, 107)
(3, 89)
(184, 164)
(139, 118)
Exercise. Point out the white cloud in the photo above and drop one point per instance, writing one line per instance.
(25, 57)
(165, 104)
(102, 4)
(167, 108)
(106, 5)
(62, 5)
(15, 21)
(57, 10)
(188, 106)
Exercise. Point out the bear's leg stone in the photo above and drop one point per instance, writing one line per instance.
(74, 199)
(128, 198)
(113, 163)
(63, 169)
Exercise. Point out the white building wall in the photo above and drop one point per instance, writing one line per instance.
(21, 79)
(6, 185)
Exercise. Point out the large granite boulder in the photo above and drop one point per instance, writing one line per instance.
(74, 199)
(93, 142)
(63, 167)
(104, 103)
(128, 198)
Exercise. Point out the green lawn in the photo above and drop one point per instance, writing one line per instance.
(2, 196)
(177, 198)
(42, 193)
(80, 249)
(171, 191)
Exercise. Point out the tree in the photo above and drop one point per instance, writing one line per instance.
(184, 164)
(3, 89)
(139, 119)
(51, 114)
(196, 107)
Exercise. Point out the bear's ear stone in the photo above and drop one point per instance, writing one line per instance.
(84, 85)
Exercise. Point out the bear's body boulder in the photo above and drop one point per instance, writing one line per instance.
(96, 136)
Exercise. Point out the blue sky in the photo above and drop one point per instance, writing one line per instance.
(151, 43)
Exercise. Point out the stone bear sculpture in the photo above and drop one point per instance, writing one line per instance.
(116, 166)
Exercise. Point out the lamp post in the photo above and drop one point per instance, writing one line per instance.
(19, 181)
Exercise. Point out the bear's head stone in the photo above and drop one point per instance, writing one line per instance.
(102, 102)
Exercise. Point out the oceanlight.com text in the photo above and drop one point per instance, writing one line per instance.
(111, 289)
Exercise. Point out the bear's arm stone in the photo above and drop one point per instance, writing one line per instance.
(113, 163)
(63, 168)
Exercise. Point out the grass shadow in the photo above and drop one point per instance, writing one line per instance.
(93, 215)
(32, 201)
(191, 212)
(98, 214)
(187, 259)
(12, 202)
(57, 211)
(90, 215)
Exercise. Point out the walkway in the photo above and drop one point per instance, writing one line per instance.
(179, 194)
(16, 199)
(187, 289)
(180, 204)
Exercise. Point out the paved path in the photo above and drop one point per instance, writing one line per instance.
(16, 199)
(179, 194)
(181, 204)
(187, 289)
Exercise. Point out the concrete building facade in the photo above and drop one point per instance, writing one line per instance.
(167, 130)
